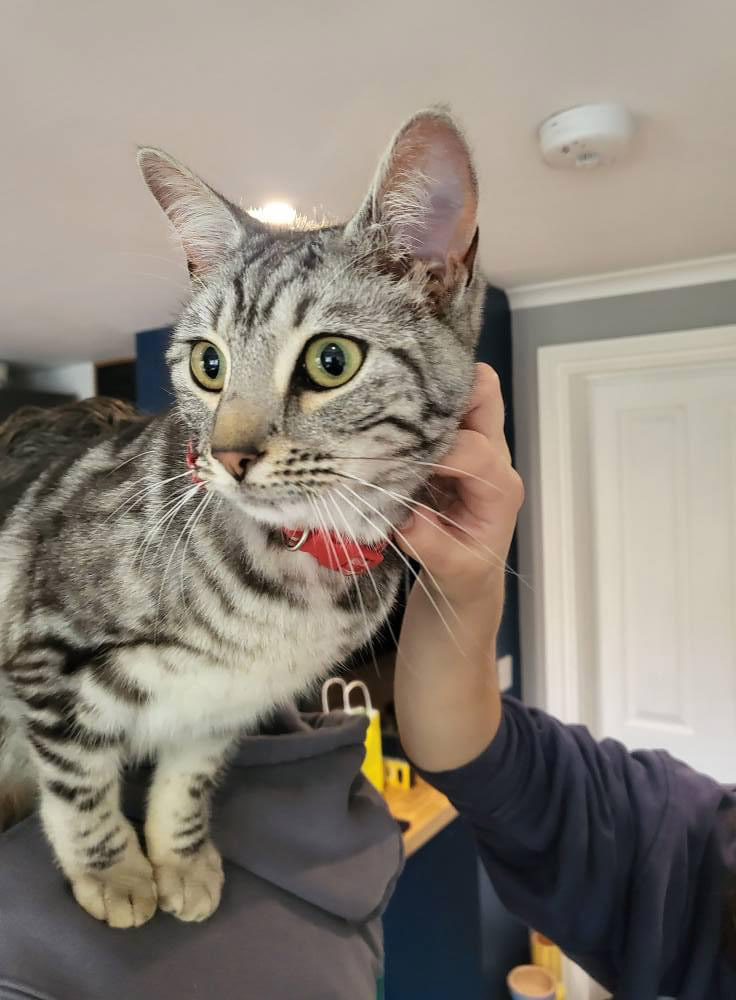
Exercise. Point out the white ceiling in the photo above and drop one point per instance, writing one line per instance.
(296, 101)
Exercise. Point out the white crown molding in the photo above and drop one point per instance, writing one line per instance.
(680, 274)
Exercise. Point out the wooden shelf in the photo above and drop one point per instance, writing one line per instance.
(426, 810)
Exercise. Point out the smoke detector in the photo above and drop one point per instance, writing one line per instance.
(590, 135)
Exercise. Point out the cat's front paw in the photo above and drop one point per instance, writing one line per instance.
(190, 887)
(123, 895)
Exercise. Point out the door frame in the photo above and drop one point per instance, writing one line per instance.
(564, 551)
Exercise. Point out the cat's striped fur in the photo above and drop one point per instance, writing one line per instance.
(146, 615)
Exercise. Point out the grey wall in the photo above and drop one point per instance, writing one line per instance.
(574, 322)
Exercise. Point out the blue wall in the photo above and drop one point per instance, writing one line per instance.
(494, 348)
(152, 382)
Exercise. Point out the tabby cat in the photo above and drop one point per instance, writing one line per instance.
(156, 597)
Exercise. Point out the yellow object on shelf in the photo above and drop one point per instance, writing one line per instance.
(423, 808)
(547, 955)
(396, 773)
(373, 762)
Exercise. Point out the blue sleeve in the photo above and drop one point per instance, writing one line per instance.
(615, 856)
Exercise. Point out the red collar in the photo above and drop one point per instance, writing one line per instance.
(335, 552)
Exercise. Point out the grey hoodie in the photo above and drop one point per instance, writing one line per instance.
(311, 858)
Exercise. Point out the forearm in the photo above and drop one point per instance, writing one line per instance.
(447, 701)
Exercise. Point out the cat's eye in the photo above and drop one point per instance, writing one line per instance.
(207, 363)
(332, 361)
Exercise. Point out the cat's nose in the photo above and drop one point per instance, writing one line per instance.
(237, 463)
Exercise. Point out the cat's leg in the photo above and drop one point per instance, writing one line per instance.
(186, 864)
(96, 846)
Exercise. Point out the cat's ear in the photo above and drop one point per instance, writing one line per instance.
(424, 198)
(209, 227)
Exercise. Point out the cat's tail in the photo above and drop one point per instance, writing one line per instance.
(17, 774)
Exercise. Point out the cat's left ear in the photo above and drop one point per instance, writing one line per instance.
(209, 226)
(424, 199)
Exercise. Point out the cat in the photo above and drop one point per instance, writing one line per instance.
(158, 595)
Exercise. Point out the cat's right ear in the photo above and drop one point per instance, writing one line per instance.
(209, 227)
(424, 201)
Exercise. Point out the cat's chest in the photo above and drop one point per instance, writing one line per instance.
(289, 636)
(250, 663)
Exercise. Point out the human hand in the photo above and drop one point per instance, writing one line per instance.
(464, 549)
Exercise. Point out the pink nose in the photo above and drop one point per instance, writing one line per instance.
(237, 463)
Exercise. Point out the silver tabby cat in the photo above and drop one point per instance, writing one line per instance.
(150, 607)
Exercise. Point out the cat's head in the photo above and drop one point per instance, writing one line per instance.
(318, 369)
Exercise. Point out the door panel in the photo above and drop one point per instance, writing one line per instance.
(663, 499)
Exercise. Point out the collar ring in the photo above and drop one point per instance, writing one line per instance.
(294, 546)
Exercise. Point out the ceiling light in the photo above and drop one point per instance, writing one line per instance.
(275, 213)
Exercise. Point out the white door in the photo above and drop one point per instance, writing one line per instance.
(646, 439)
(664, 518)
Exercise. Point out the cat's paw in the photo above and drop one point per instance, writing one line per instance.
(190, 887)
(123, 895)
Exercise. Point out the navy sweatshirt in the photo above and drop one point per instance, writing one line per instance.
(621, 858)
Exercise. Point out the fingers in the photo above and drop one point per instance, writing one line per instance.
(490, 492)
(481, 470)
(485, 413)
(421, 538)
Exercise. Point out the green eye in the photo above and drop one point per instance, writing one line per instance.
(208, 366)
(332, 361)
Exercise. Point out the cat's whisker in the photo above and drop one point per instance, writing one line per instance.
(141, 454)
(180, 285)
(178, 276)
(408, 544)
(151, 256)
(356, 259)
(321, 518)
(368, 570)
(127, 489)
(168, 517)
(142, 549)
(156, 615)
(411, 505)
(462, 472)
(176, 495)
(433, 490)
(408, 565)
(174, 509)
(356, 584)
(323, 527)
(147, 489)
(169, 521)
(415, 461)
(321, 521)
(192, 524)
(201, 509)
(170, 560)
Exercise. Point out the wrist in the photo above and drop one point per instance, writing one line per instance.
(477, 606)
(447, 697)
(446, 722)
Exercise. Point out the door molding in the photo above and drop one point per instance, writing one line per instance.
(564, 552)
